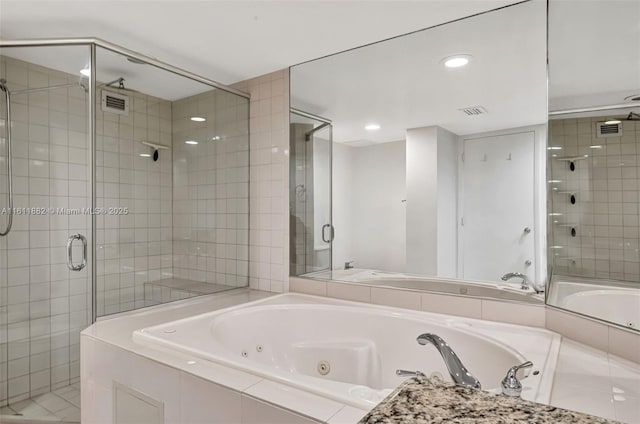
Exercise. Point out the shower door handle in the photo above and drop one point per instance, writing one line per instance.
(70, 264)
(325, 226)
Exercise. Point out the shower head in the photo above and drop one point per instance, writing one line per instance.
(120, 85)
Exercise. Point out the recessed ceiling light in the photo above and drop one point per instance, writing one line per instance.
(216, 138)
(198, 119)
(456, 61)
(612, 122)
(596, 147)
(554, 148)
(554, 181)
(191, 142)
(145, 155)
(372, 127)
(86, 72)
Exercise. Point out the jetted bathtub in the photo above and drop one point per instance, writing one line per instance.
(479, 289)
(614, 302)
(349, 351)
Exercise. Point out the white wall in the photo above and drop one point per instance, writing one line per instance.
(431, 201)
(343, 188)
(447, 204)
(368, 212)
(422, 200)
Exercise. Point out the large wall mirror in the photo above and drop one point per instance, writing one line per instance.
(420, 161)
(594, 159)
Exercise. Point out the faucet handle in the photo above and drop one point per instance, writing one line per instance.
(511, 386)
(405, 373)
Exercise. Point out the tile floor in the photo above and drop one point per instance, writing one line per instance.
(60, 406)
(594, 382)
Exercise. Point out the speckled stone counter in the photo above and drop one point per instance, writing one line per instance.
(430, 400)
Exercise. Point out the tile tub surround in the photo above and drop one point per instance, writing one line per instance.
(584, 376)
(487, 309)
(359, 340)
(430, 400)
(192, 390)
(614, 339)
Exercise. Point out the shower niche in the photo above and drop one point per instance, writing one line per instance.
(129, 188)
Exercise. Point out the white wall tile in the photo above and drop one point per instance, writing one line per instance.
(452, 305)
(257, 412)
(355, 292)
(204, 402)
(582, 330)
(514, 313)
(396, 298)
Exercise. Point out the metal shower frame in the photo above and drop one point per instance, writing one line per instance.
(93, 43)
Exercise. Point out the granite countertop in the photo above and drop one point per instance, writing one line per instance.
(430, 400)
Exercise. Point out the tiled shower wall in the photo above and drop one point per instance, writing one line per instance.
(269, 177)
(606, 186)
(44, 304)
(211, 189)
(135, 247)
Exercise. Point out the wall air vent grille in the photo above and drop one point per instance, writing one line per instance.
(608, 130)
(473, 110)
(115, 103)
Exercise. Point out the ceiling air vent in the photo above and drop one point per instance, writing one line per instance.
(115, 103)
(473, 110)
(608, 130)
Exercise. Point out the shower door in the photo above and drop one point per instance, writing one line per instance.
(45, 263)
(310, 195)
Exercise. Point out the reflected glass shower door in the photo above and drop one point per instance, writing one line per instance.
(172, 171)
(310, 195)
(45, 267)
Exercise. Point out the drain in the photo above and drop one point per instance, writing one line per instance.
(630, 325)
(259, 348)
(324, 368)
(536, 372)
(244, 354)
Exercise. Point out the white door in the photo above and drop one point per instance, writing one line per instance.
(498, 206)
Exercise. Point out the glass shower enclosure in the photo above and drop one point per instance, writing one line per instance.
(310, 224)
(124, 183)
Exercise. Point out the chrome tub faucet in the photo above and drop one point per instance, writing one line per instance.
(524, 284)
(458, 372)
(349, 265)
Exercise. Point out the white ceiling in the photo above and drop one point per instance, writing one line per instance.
(111, 66)
(401, 83)
(594, 52)
(230, 41)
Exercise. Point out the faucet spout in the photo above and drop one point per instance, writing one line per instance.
(458, 372)
(525, 283)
